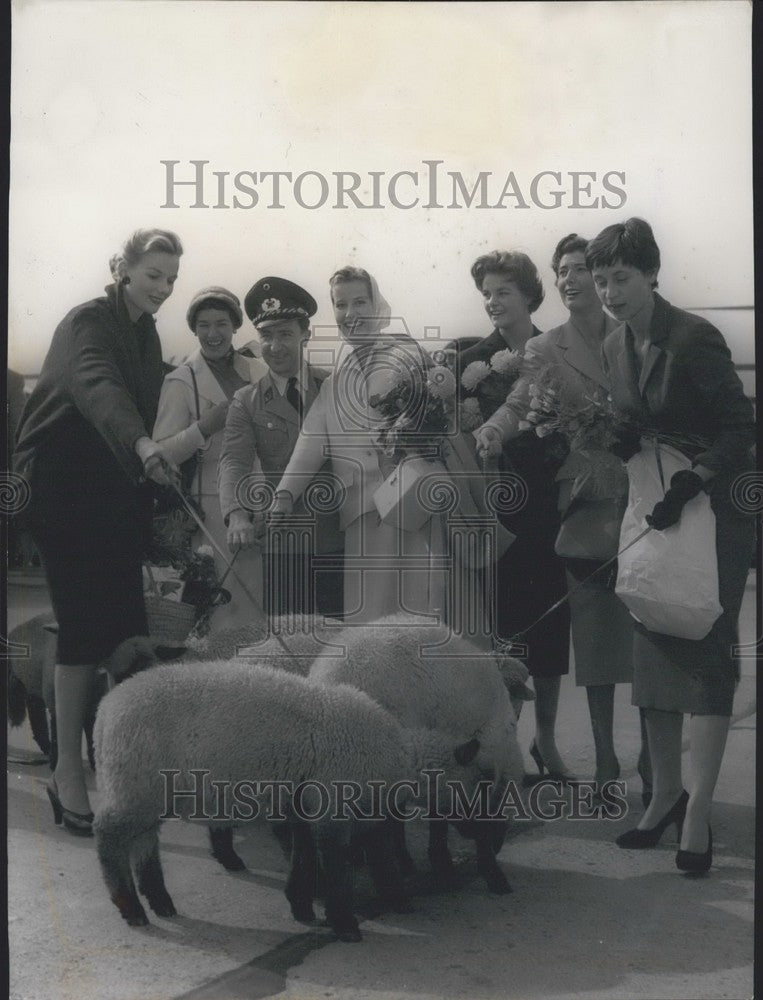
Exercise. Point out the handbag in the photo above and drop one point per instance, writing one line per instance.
(398, 499)
(190, 470)
(668, 579)
(590, 529)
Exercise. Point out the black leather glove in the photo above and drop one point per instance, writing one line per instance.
(628, 442)
(684, 486)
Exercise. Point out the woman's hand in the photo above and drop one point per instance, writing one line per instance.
(489, 441)
(684, 486)
(213, 419)
(282, 506)
(157, 464)
(244, 532)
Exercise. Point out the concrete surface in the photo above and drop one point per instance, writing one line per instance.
(586, 919)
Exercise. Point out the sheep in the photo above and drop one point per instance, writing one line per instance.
(31, 689)
(241, 722)
(303, 637)
(427, 676)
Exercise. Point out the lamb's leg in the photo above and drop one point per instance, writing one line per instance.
(438, 853)
(379, 842)
(151, 880)
(53, 755)
(334, 850)
(38, 722)
(113, 839)
(221, 839)
(282, 833)
(300, 885)
(404, 860)
(487, 866)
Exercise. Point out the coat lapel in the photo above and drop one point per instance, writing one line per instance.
(278, 404)
(658, 332)
(579, 355)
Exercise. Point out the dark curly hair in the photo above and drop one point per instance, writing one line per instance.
(515, 266)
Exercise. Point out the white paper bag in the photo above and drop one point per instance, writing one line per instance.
(669, 579)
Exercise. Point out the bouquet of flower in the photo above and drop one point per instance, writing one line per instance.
(590, 428)
(488, 383)
(190, 577)
(416, 413)
(554, 406)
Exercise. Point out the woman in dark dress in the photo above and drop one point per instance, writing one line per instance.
(530, 576)
(84, 445)
(672, 376)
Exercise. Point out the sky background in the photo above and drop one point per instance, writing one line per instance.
(103, 91)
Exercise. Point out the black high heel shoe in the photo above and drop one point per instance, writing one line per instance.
(693, 861)
(79, 824)
(650, 838)
(563, 776)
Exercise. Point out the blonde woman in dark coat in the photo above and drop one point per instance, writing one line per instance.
(84, 444)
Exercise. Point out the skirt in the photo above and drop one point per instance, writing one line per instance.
(90, 525)
(602, 627)
(699, 677)
(529, 580)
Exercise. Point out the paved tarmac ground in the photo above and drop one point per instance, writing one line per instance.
(585, 920)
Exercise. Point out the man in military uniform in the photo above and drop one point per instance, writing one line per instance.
(261, 429)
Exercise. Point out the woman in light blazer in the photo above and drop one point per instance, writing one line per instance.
(602, 629)
(192, 408)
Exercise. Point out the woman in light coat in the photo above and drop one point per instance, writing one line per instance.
(388, 569)
(192, 409)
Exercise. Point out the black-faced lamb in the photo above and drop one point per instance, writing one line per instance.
(237, 722)
(31, 671)
(427, 676)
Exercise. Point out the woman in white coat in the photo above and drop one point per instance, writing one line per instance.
(388, 569)
(192, 409)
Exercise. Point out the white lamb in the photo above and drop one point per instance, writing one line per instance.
(426, 676)
(241, 723)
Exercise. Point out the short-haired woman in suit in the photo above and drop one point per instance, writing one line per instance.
(672, 373)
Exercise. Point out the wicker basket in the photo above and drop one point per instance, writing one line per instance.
(169, 622)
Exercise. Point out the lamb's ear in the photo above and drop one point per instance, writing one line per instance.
(51, 627)
(466, 752)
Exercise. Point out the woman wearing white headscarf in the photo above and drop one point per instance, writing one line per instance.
(343, 424)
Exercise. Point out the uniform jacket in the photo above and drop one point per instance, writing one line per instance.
(98, 389)
(261, 431)
(687, 385)
(176, 423)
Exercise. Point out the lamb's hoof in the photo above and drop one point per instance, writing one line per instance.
(230, 861)
(351, 935)
(443, 867)
(402, 906)
(407, 866)
(162, 905)
(303, 913)
(131, 910)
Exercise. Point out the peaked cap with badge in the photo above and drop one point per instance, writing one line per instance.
(272, 299)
